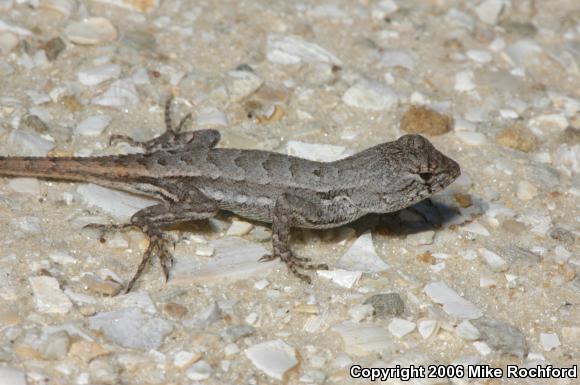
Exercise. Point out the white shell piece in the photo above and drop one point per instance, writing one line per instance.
(275, 358)
(453, 303)
(364, 338)
(362, 256)
(90, 31)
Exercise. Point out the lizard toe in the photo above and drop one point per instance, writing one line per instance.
(267, 258)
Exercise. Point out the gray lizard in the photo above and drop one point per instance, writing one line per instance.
(193, 180)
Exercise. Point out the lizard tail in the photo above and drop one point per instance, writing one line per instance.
(70, 168)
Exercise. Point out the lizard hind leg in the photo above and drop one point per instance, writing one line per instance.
(154, 219)
(173, 138)
(158, 246)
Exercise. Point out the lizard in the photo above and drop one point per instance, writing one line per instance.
(193, 180)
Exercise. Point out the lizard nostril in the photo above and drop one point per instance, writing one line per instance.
(426, 176)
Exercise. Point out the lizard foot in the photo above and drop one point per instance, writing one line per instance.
(109, 228)
(158, 246)
(295, 264)
(114, 139)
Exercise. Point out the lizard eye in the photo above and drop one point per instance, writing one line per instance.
(426, 176)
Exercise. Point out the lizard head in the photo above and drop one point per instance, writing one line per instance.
(423, 170)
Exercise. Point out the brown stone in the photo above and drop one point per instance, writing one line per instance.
(518, 137)
(98, 285)
(87, 351)
(71, 103)
(422, 120)
(427, 257)
(53, 48)
(513, 227)
(463, 200)
(174, 310)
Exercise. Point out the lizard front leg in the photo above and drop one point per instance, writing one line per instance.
(173, 138)
(291, 210)
(152, 220)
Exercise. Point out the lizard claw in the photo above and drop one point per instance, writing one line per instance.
(158, 245)
(267, 258)
(105, 228)
(295, 264)
(114, 139)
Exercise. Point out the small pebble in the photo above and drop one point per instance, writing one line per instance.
(370, 96)
(211, 118)
(48, 296)
(383, 9)
(357, 313)
(561, 254)
(489, 11)
(131, 328)
(476, 228)
(91, 31)
(471, 138)
(464, 81)
(344, 278)
(8, 41)
(400, 327)
(362, 339)
(29, 143)
(502, 337)
(25, 185)
(28, 224)
(103, 372)
(261, 284)
(465, 330)
(422, 120)
(204, 250)
(482, 348)
(428, 328)
(87, 351)
(56, 346)
(479, 56)
(549, 341)
(183, 359)
(53, 48)
(494, 261)
(293, 49)
(174, 310)
(562, 235)
(274, 358)
(463, 200)
(453, 303)
(518, 137)
(96, 284)
(97, 75)
(234, 333)
(93, 125)
(398, 59)
(199, 371)
(362, 256)
(120, 94)
(239, 228)
(526, 191)
(231, 350)
(386, 305)
(12, 376)
(487, 282)
(261, 234)
(316, 151)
